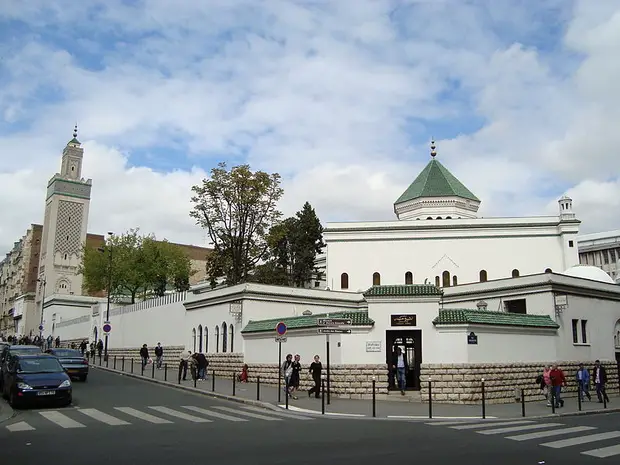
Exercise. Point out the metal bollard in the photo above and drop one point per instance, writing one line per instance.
(107, 361)
(142, 365)
(99, 359)
(195, 379)
(374, 398)
(286, 393)
(323, 395)
(132, 366)
(114, 366)
(258, 388)
(484, 406)
(579, 397)
(165, 372)
(152, 369)
(123, 364)
(430, 398)
(552, 400)
(604, 397)
(213, 381)
(234, 384)
(522, 402)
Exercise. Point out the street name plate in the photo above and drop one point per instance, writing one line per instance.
(280, 338)
(333, 331)
(334, 321)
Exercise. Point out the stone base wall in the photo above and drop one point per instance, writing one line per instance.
(346, 381)
(172, 355)
(462, 383)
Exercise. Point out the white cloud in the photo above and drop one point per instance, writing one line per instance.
(340, 97)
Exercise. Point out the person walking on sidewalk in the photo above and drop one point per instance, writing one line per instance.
(144, 355)
(316, 369)
(583, 383)
(184, 363)
(287, 372)
(400, 364)
(600, 379)
(557, 381)
(296, 375)
(203, 363)
(159, 354)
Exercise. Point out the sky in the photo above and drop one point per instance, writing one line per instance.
(341, 97)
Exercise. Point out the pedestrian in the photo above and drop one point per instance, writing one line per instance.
(600, 379)
(557, 381)
(287, 371)
(399, 363)
(295, 376)
(202, 366)
(159, 354)
(184, 364)
(100, 347)
(83, 347)
(316, 369)
(144, 355)
(583, 382)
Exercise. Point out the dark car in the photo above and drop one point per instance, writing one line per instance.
(31, 379)
(73, 361)
(14, 349)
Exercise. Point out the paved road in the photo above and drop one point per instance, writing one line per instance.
(227, 433)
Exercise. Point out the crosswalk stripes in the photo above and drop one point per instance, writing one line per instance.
(525, 430)
(76, 418)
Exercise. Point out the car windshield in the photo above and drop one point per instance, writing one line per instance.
(39, 365)
(25, 350)
(67, 353)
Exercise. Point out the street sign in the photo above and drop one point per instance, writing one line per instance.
(107, 327)
(281, 339)
(334, 321)
(281, 328)
(333, 331)
(40, 327)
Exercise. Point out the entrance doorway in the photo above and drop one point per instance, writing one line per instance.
(410, 343)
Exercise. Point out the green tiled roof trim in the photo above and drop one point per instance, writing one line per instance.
(74, 141)
(436, 181)
(485, 317)
(303, 322)
(403, 290)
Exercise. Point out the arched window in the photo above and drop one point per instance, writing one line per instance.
(439, 217)
(231, 329)
(445, 277)
(206, 340)
(483, 276)
(455, 281)
(217, 339)
(408, 277)
(437, 283)
(548, 270)
(515, 273)
(200, 338)
(344, 281)
(376, 279)
(448, 217)
(429, 218)
(224, 337)
(194, 339)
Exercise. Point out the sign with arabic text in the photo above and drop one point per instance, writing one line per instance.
(404, 320)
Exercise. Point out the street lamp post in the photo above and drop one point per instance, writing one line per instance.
(107, 314)
(43, 282)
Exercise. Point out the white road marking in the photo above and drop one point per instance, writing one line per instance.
(61, 420)
(491, 424)
(278, 414)
(20, 426)
(314, 412)
(582, 440)
(604, 452)
(553, 432)
(103, 417)
(181, 415)
(248, 414)
(142, 415)
(213, 414)
(513, 429)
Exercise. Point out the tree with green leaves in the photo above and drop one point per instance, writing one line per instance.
(237, 207)
(293, 246)
(136, 265)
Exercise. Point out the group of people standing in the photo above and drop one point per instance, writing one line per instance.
(553, 379)
(291, 371)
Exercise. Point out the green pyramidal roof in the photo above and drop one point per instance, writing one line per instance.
(436, 181)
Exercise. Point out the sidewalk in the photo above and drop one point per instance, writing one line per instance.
(396, 409)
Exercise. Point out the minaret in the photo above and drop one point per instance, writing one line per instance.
(65, 224)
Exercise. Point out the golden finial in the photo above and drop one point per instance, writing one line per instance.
(75, 131)
(433, 147)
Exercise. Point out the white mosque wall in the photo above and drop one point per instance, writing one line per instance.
(263, 349)
(461, 247)
(68, 316)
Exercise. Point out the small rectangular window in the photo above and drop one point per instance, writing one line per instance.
(584, 331)
(516, 306)
(571, 243)
(575, 331)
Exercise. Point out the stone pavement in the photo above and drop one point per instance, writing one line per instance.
(395, 408)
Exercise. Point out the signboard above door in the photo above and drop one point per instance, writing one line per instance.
(403, 320)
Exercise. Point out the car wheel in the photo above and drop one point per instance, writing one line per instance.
(13, 402)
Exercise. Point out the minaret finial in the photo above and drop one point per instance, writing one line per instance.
(433, 147)
(75, 131)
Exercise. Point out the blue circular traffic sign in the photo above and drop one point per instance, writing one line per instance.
(281, 328)
(40, 327)
(107, 328)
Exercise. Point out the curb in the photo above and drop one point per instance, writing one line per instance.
(180, 387)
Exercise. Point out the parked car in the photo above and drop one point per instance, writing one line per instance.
(73, 361)
(14, 349)
(31, 379)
